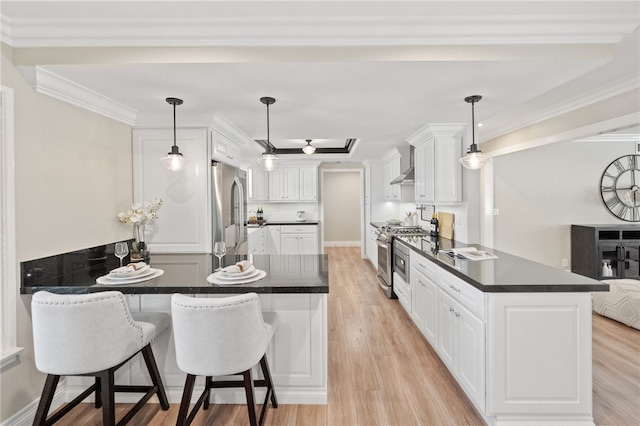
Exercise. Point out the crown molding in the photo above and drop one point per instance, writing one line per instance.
(435, 130)
(221, 124)
(330, 30)
(48, 83)
(586, 98)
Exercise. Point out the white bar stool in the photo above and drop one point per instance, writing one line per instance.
(93, 335)
(222, 337)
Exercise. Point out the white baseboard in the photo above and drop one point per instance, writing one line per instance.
(25, 416)
(342, 243)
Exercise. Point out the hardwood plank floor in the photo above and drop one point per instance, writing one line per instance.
(382, 371)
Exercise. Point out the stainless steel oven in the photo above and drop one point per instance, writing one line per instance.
(388, 261)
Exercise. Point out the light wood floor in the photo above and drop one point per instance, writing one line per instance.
(383, 372)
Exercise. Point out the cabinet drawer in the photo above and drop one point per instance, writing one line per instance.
(467, 295)
(426, 267)
(298, 229)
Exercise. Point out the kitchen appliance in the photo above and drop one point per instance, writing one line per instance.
(300, 216)
(229, 208)
(386, 258)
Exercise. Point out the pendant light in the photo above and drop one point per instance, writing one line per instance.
(309, 149)
(474, 159)
(269, 160)
(174, 160)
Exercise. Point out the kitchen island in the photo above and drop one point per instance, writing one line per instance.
(515, 334)
(296, 287)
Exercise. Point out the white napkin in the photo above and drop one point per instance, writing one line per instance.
(237, 268)
(128, 269)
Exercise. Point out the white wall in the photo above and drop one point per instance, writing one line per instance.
(73, 175)
(540, 192)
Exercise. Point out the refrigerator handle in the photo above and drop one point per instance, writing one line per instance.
(240, 220)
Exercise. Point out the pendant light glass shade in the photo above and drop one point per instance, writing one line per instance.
(268, 160)
(309, 149)
(474, 159)
(174, 160)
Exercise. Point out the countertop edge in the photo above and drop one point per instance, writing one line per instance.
(515, 288)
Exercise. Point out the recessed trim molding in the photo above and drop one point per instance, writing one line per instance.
(48, 83)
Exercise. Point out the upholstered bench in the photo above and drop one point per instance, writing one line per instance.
(621, 302)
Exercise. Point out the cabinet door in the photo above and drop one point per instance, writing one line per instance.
(277, 185)
(259, 180)
(448, 170)
(308, 184)
(309, 244)
(447, 330)
(471, 355)
(420, 173)
(273, 240)
(429, 167)
(183, 223)
(289, 244)
(291, 184)
(418, 302)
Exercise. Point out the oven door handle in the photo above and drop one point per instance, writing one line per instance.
(383, 244)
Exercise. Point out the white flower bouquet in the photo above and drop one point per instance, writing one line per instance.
(141, 214)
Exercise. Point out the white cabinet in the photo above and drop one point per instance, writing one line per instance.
(258, 180)
(424, 302)
(403, 291)
(183, 223)
(293, 184)
(438, 172)
(391, 171)
(272, 235)
(462, 346)
(257, 241)
(224, 148)
(308, 184)
(371, 247)
(299, 239)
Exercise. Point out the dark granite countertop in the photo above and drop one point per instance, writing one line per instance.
(506, 274)
(76, 273)
(282, 222)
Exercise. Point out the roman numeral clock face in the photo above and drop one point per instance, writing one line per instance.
(620, 186)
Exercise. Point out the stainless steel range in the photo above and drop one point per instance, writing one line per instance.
(386, 253)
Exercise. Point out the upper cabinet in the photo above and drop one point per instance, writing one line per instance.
(291, 183)
(396, 162)
(226, 141)
(258, 182)
(438, 173)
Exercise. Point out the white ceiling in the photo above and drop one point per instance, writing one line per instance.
(376, 71)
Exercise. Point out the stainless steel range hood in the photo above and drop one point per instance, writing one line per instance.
(406, 165)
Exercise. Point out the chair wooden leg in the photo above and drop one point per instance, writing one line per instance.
(44, 405)
(267, 377)
(251, 403)
(150, 360)
(98, 394)
(107, 383)
(186, 400)
(207, 387)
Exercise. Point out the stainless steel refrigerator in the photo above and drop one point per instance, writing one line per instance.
(229, 208)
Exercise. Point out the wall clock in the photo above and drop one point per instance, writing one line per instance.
(620, 188)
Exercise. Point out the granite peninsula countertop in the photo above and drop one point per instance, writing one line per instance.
(76, 273)
(282, 222)
(506, 274)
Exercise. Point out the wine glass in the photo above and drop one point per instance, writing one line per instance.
(121, 251)
(219, 250)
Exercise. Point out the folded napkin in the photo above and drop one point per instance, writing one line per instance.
(132, 267)
(237, 268)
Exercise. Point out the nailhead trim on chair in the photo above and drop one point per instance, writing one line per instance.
(99, 297)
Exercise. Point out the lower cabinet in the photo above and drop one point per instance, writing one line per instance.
(257, 241)
(462, 346)
(371, 247)
(403, 291)
(272, 234)
(299, 239)
(425, 305)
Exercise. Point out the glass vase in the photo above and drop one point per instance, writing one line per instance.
(139, 250)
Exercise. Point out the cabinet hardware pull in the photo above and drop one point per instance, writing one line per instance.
(457, 315)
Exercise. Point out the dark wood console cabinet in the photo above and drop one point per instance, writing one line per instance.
(618, 245)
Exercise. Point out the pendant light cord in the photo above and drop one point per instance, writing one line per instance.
(174, 124)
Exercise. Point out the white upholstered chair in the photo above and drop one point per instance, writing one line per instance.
(93, 335)
(222, 337)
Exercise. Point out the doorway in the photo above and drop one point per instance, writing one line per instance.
(341, 207)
